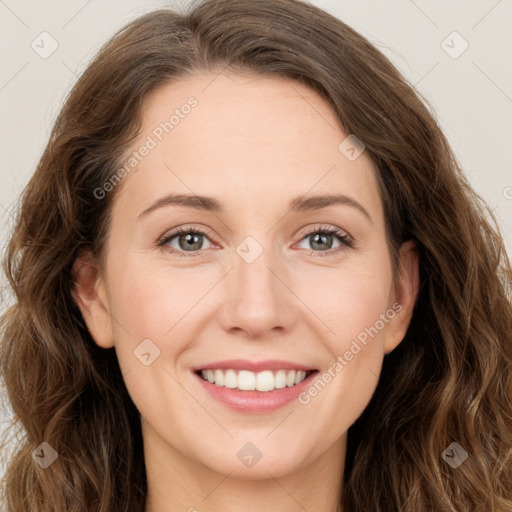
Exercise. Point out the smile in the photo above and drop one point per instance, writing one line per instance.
(246, 380)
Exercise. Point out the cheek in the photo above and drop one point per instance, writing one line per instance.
(357, 347)
(350, 376)
(156, 303)
(150, 298)
(153, 314)
(355, 306)
(349, 299)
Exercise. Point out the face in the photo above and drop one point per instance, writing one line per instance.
(267, 275)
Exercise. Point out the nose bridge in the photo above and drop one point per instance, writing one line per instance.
(252, 267)
(257, 299)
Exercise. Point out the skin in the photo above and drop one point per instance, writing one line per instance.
(253, 143)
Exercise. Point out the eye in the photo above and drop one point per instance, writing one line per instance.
(322, 238)
(184, 240)
(191, 240)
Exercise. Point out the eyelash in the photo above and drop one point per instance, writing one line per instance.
(343, 237)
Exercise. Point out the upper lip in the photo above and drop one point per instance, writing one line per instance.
(254, 366)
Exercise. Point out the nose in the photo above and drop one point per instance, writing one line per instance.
(258, 299)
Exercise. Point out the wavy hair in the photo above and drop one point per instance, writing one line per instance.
(450, 380)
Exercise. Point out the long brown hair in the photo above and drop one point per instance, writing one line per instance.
(450, 380)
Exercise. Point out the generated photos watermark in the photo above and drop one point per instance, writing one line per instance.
(157, 135)
(344, 359)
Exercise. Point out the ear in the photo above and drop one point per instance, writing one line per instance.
(89, 292)
(406, 292)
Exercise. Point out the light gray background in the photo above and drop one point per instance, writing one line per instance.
(471, 94)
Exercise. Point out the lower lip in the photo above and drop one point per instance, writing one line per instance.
(256, 401)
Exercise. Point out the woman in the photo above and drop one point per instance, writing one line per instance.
(181, 339)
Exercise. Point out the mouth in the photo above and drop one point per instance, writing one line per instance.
(258, 387)
(247, 380)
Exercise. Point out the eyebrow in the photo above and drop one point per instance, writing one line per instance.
(299, 204)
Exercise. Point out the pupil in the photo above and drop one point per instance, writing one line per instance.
(323, 239)
(189, 238)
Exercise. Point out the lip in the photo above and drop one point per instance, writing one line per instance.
(253, 366)
(254, 401)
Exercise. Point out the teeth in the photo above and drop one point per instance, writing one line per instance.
(245, 380)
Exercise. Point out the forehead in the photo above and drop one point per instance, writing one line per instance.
(222, 134)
